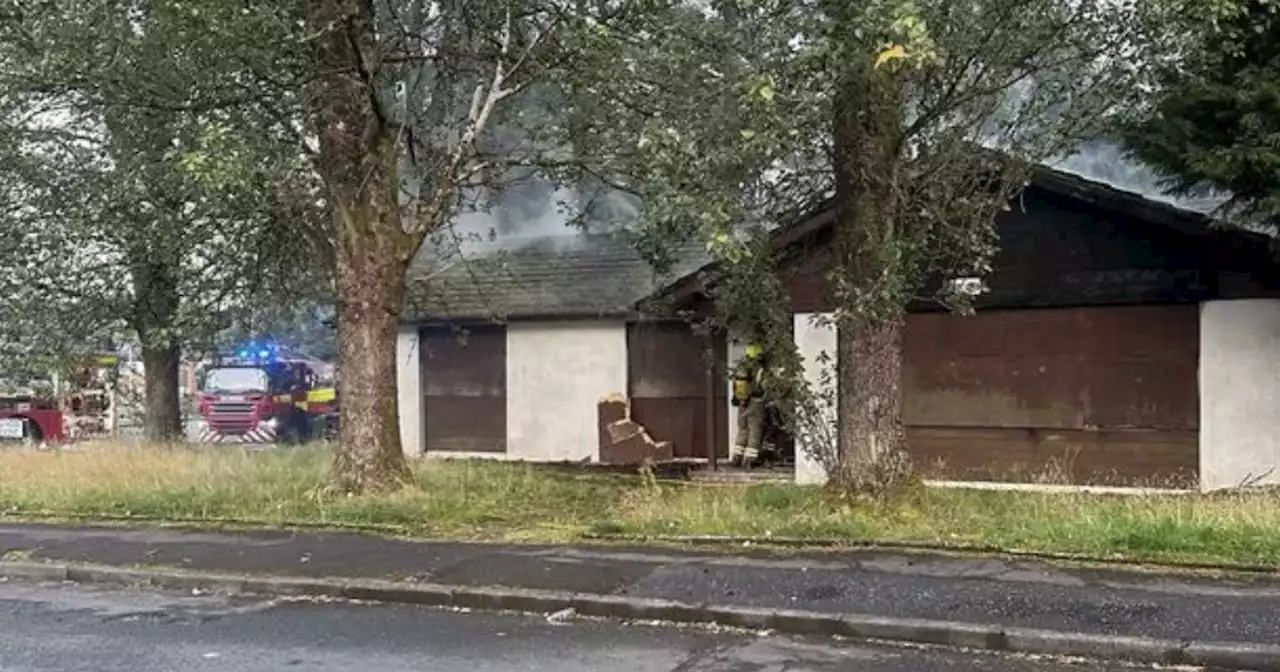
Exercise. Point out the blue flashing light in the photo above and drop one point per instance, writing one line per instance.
(258, 352)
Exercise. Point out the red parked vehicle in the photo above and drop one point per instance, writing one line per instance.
(254, 396)
(36, 409)
(29, 418)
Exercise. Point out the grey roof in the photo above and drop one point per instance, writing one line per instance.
(558, 276)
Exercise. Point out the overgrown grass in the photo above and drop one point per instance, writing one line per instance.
(483, 500)
(468, 500)
(1241, 528)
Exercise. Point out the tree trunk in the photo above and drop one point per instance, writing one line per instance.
(370, 455)
(870, 283)
(359, 156)
(370, 290)
(163, 417)
(155, 313)
(871, 439)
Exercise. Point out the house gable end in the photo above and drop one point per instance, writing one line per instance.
(1062, 245)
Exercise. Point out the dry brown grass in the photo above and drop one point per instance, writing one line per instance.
(484, 500)
(283, 486)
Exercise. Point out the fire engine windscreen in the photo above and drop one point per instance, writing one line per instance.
(235, 380)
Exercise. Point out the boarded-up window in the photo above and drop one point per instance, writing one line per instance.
(667, 383)
(1102, 395)
(464, 382)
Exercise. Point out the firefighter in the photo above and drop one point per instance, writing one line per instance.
(748, 397)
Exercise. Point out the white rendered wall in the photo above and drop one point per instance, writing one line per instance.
(557, 372)
(812, 341)
(1239, 392)
(409, 389)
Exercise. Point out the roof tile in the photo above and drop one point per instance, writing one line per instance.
(583, 275)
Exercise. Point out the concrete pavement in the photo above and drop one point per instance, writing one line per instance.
(83, 629)
(995, 594)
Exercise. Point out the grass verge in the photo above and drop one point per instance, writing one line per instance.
(496, 501)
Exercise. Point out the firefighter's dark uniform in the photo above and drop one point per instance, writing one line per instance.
(748, 397)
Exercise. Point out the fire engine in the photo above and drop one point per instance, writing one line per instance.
(40, 409)
(256, 396)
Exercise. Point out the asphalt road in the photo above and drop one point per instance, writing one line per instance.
(78, 629)
(991, 590)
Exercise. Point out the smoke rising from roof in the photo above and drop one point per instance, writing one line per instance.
(531, 208)
(535, 209)
(1104, 161)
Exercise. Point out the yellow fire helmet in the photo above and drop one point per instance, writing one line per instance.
(753, 351)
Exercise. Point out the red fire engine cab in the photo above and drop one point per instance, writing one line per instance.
(255, 396)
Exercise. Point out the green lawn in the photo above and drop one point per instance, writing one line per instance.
(495, 501)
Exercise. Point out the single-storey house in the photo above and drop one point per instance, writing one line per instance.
(1121, 341)
(507, 354)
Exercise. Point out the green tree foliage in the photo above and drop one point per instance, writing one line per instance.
(1214, 127)
(917, 119)
(408, 111)
(117, 231)
(301, 326)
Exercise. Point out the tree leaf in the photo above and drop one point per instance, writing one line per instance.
(892, 53)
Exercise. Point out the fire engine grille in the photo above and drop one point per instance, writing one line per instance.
(231, 408)
(231, 417)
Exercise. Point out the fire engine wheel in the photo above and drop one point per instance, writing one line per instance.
(33, 435)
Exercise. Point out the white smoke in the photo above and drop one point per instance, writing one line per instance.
(1104, 161)
(526, 210)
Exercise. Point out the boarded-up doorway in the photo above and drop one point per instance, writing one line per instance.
(464, 384)
(667, 383)
(1096, 395)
